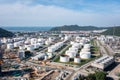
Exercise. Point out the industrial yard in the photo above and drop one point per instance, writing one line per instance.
(61, 56)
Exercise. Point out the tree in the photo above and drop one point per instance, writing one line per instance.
(91, 77)
(100, 75)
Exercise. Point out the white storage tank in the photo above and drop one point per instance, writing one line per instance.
(41, 40)
(77, 60)
(85, 50)
(51, 49)
(85, 55)
(21, 47)
(51, 39)
(9, 40)
(64, 58)
(27, 42)
(36, 46)
(72, 42)
(30, 48)
(16, 44)
(50, 55)
(47, 42)
(71, 54)
(76, 45)
(4, 40)
(73, 49)
(40, 44)
(87, 46)
(10, 46)
(25, 46)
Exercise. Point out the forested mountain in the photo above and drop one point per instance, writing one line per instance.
(112, 31)
(5, 33)
(75, 28)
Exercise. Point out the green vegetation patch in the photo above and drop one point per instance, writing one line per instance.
(96, 76)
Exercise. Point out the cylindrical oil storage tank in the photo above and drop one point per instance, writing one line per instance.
(40, 44)
(47, 42)
(27, 42)
(64, 58)
(73, 49)
(4, 40)
(85, 55)
(66, 37)
(71, 54)
(72, 42)
(10, 46)
(85, 50)
(30, 48)
(76, 45)
(36, 46)
(9, 40)
(25, 46)
(77, 60)
(87, 46)
(41, 40)
(51, 39)
(21, 47)
(16, 44)
(50, 55)
(51, 49)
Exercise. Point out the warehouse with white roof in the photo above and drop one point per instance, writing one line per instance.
(103, 62)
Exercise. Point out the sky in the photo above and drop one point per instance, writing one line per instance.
(101, 13)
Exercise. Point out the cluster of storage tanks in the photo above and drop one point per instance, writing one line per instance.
(40, 56)
(72, 52)
(67, 37)
(85, 52)
(82, 40)
(49, 40)
(15, 44)
(9, 40)
(55, 47)
(29, 44)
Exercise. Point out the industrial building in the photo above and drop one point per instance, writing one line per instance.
(21, 54)
(39, 56)
(103, 62)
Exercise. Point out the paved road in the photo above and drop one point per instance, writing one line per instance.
(79, 71)
(104, 48)
(103, 51)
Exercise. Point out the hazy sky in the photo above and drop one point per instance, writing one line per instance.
(59, 12)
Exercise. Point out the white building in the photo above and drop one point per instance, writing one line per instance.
(103, 62)
(21, 54)
(39, 56)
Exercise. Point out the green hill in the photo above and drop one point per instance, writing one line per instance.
(74, 28)
(5, 33)
(112, 30)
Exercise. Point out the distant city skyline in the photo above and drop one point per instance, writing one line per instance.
(99, 13)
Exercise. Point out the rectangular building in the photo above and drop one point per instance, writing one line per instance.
(103, 62)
